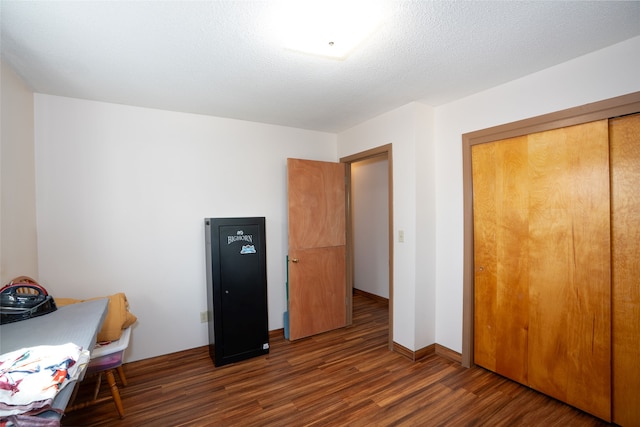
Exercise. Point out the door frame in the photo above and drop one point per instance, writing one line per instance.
(609, 108)
(384, 150)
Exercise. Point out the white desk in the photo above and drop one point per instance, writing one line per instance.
(76, 323)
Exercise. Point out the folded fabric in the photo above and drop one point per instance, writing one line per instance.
(32, 408)
(29, 421)
(37, 374)
(118, 315)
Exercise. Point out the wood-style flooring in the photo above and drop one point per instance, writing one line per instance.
(346, 377)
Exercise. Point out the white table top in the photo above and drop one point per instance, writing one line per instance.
(76, 323)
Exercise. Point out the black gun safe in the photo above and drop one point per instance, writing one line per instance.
(236, 288)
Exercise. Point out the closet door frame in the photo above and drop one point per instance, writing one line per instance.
(614, 107)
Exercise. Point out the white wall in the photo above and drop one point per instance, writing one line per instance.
(122, 193)
(18, 239)
(427, 165)
(404, 129)
(426, 225)
(370, 210)
(608, 73)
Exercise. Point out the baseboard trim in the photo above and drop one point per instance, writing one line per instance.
(276, 333)
(404, 351)
(424, 352)
(414, 355)
(447, 353)
(371, 296)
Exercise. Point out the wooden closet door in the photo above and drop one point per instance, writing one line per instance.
(625, 217)
(569, 266)
(501, 229)
(542, 263)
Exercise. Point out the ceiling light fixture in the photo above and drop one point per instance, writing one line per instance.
(328, 28)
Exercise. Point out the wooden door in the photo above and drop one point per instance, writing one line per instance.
(501, 215)
(317, 247)
(542, 263)
(570, 266)
(625, 217)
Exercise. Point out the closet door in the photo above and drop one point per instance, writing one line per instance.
(542, 262)
(625, 216)
(570, 267)
(501, 230)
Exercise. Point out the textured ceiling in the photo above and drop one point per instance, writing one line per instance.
(222, 58)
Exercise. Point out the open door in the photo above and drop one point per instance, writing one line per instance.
(317, 247)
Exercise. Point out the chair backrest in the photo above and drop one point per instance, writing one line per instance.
(114, 346)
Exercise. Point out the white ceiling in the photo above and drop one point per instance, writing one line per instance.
(222, 58)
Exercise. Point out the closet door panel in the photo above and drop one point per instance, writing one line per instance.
(500, 196)
(484, 237)
(569, 266)
(625, 216)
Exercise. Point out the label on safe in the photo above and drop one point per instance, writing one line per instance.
(241, 237)
(248, 249)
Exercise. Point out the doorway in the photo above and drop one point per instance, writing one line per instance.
(361, 169)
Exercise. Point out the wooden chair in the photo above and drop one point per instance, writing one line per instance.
(107, 359)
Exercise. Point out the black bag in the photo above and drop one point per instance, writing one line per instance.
(23, 298)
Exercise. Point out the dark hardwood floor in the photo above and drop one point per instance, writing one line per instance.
(346, 377)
